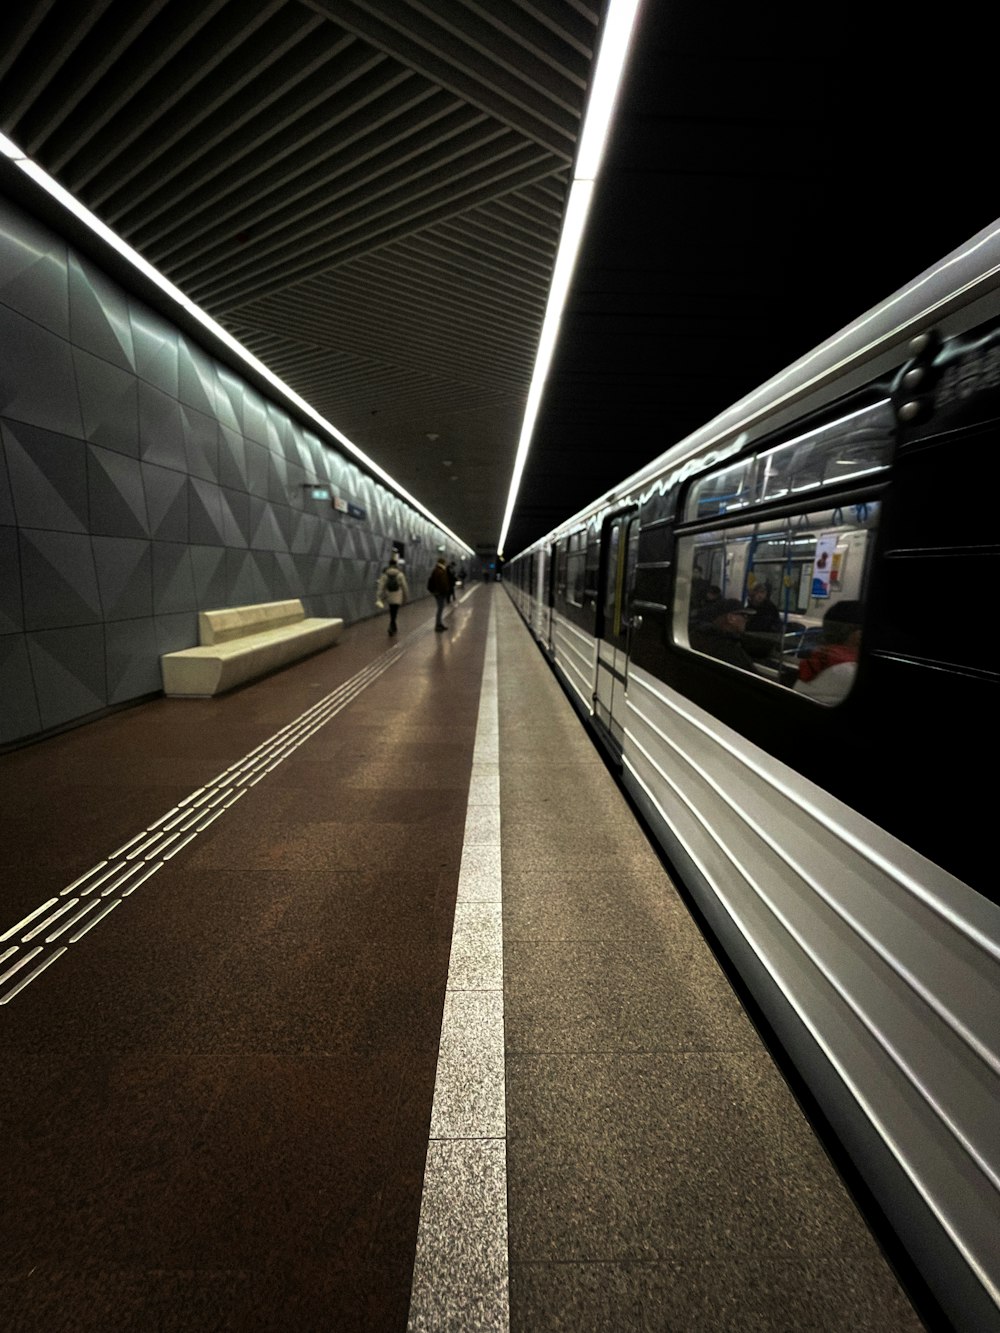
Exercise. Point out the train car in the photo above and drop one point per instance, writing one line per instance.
(779, 632)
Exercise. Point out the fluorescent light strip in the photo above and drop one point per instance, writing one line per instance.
(72, 205)
(609, 67)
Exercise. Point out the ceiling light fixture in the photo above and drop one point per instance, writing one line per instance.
(609, 66)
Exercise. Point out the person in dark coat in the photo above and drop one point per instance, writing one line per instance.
(440, 585)
(764, 628)
(708, 601)
(719, 632)
(764, 617)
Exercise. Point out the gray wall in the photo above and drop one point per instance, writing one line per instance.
(142, 481)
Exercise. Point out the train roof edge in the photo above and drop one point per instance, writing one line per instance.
(959, 281)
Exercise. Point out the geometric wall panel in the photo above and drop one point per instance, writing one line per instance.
(280, 483)
(228, 400)
(287, 575)
(174, 632)
(201, 440)
(327, 541)
(235, 517)
(329, 575)
(166, 494)
(133, 661)
(48, 478)
(278, 432)
(286, 519)
(59, 579)
(99, 315)
(196, 378)
(247, 584)
(117, 496)
(155, 342)
(141, 481)
(305, 534)
(7, 515)
(19, 716)
(267, 567)
(33, 277)
(11, 617)
(109, 402)
(257, 469)
(173, 579)
(208, 565)
(68, 668)
(254, 416)
(233, 459)
(37, 384)
(205, 523)
(161, 429)
(125, 577)
(267, 534)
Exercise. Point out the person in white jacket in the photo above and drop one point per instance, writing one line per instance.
(392, 591)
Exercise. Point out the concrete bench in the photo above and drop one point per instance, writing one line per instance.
(242, 642)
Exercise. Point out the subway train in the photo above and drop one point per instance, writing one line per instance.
(781, 632)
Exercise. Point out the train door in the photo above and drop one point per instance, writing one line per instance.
(619, 546)
(548, 637)
(538, 594)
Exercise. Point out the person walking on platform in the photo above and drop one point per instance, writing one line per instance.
(452, 580)
(392, 590)
(439, 584)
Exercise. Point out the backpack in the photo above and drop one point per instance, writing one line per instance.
(391, 581)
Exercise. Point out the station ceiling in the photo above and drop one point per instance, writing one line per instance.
(368, 194)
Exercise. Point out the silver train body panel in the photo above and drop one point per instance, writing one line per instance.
(877, 968)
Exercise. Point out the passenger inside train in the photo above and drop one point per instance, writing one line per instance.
(720, 631)
(827, 674)
(764, 617)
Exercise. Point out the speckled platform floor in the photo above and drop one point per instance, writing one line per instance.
(660, 1174)
(216, 1102)
(214, 1105)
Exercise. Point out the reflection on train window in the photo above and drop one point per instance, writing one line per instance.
(611, 582)
(622, 538)
(857, 445)
(844, 450)
(721, 492)
(782, 598)
(590, 592)
(560, 572)
(576, 573)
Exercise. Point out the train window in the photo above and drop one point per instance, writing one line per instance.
(561, 572)
(843, 450)
(631, 558)
(781, 598)
(590, 592)
(721, 492)
(612, 581)
(622, 541)
(856, 445)
(576, 572)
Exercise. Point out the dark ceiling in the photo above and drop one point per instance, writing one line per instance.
(368, 194)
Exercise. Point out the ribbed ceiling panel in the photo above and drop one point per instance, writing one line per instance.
(368, 195)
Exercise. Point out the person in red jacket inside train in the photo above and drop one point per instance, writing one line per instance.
(827, 674)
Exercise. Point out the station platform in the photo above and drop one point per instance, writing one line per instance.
(357, 999)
